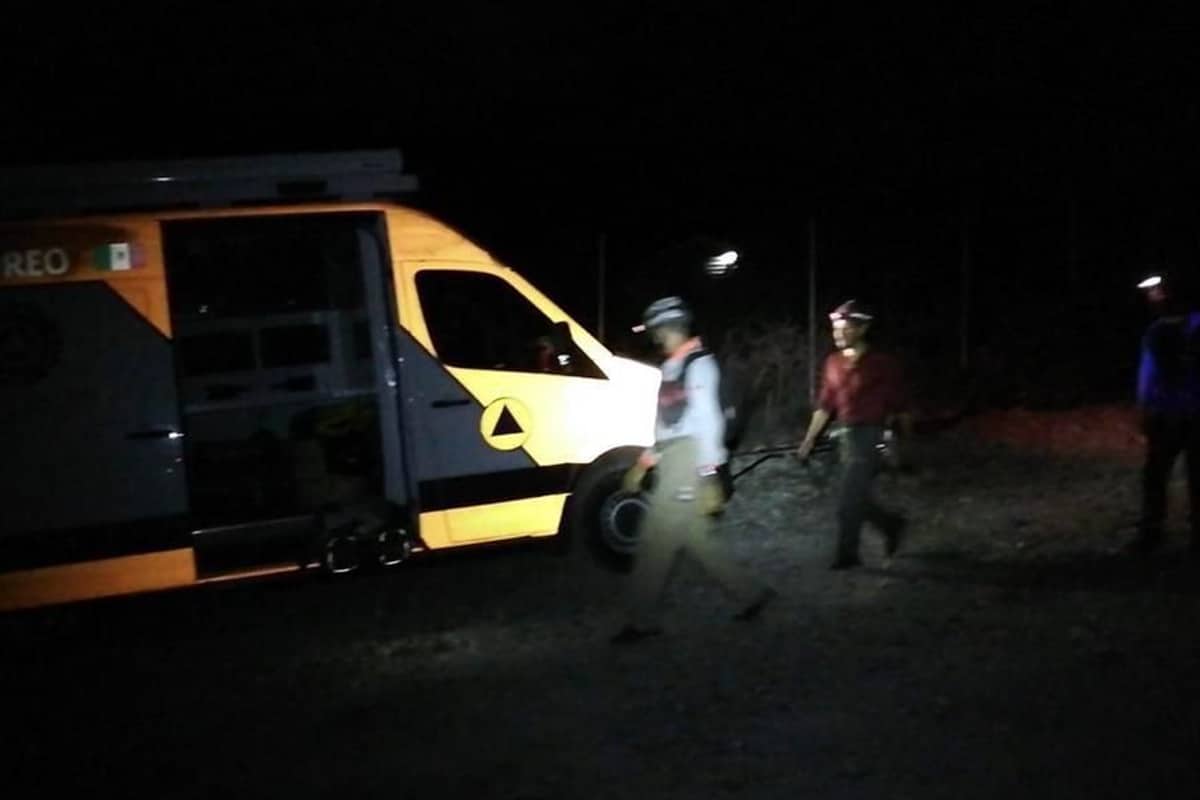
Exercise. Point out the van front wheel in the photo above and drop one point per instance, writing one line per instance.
(605, 518)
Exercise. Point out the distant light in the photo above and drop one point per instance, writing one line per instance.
(1151, 282)
(174, 435)
(163, 178)
(638, 328)
(564, 360)
(726, 262)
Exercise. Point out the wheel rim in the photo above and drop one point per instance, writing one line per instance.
(620, 517)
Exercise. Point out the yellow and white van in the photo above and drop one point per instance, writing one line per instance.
(206, 374)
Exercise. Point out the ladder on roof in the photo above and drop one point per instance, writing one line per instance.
(358, 175)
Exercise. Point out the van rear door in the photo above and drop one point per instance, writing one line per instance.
(89, 416)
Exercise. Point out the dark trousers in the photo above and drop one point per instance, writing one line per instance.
(1166, 437)
(856, 503)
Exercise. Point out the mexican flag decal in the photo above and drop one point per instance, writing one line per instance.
(117, 257)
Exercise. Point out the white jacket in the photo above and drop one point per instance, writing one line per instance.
(700, 416)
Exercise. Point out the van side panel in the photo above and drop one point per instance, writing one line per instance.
(101, 578)
(88, 412)
(124, 254)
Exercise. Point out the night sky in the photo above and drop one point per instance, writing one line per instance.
(1063, 138)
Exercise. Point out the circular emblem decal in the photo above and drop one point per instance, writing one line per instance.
(505, 424)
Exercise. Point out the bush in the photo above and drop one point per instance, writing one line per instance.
(768, 360)
(768, 363)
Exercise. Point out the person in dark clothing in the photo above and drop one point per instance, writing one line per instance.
(1168, 397)
(863, 389)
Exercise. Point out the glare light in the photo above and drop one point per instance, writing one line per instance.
(719, 265)
(1151, 282)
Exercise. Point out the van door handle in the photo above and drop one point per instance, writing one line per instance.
(158, 433)
(447, 402)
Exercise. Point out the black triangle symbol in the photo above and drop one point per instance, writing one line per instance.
(507, 424)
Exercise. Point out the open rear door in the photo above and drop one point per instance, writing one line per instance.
(92, 463)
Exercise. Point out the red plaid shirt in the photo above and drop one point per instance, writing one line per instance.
(865, 393)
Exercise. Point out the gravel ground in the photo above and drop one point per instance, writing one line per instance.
(1008, 651)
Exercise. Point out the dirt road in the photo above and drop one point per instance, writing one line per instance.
(1007, 653)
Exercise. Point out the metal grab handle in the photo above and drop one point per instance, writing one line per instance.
(158, 433)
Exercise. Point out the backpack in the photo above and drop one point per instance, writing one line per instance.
(1191, 360)
(1167, 343)
(733, 401)
(733, 407)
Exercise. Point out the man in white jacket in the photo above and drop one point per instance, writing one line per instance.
(687, 492)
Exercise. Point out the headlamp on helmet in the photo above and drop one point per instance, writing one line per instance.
(852, 312)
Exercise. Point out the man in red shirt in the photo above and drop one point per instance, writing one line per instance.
(864, 390)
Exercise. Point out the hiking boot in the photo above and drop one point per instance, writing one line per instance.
(632, 633)
(754, 609)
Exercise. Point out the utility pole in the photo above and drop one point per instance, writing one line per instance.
(812, 310)
(600, 281)
(964, 353)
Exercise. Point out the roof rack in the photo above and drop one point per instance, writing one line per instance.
(361, 175)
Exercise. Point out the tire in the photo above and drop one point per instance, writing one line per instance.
(604, 519)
